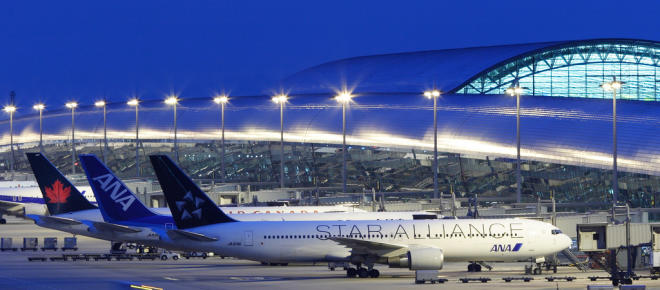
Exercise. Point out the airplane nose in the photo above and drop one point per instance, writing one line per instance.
(566, 241)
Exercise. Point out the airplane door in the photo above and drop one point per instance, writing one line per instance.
(247, 238)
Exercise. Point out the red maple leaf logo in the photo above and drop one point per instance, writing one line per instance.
(57, 193)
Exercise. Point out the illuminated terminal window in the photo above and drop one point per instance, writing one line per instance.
(577, 71)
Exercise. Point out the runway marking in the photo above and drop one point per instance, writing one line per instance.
(170, 278)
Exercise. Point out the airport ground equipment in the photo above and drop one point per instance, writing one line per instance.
(165, 255)
(6, 245)
(523, 278)
(581, 265)
(431, 276)
(479, 279)
(70, 243)
(202, 255)
(655, 248)
(50, 244)
(565, 278)
(30, 244)
(600, 287)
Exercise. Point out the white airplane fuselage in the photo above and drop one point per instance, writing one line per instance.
(147, 235)
(312, 241)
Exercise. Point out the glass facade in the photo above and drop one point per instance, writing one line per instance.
(577, 71)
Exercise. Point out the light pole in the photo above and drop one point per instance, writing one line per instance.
(103, 104)
(281, 100)
(613, 86)
(344, 99)
(221, 101)
(434, 94)
(173, 101)
(11, 109)
(517, 91)
(40, 107)
(72, 106)
(136, 103)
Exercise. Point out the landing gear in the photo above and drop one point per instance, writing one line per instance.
(474, 267)
(362, 272)
(351, 272)
(373, 273)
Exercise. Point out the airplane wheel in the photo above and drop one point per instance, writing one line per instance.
(373, 273)
(363, 273)
(477, 268)
(3, 221)
(351, 272)
(470, 267)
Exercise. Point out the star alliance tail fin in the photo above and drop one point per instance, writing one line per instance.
(190, 206)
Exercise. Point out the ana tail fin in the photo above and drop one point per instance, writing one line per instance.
(190, 206)
(59, 194)
(116, 201)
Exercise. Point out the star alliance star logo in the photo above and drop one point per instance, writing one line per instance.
(188, 202)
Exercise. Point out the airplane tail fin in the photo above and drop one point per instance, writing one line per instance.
(190, 206)
(116, 201)
(59, 194)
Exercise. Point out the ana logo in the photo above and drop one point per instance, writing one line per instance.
(111, 185)
(57, 193)
(194, 202)
(506, 247)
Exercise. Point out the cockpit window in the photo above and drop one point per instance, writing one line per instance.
(556, 231)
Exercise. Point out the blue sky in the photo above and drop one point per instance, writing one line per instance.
(56, 51)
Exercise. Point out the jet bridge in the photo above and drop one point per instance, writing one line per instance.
(600, 237)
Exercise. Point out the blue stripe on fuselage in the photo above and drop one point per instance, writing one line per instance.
(22, 199)
(517, 247)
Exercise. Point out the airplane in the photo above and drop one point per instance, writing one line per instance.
(126, 219)
(20, 198)
(72, 212)
(413, 244)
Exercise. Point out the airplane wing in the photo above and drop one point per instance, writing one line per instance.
(108, 227)
(181, 234)
(361, 247)
(59, 220)
(12, 208)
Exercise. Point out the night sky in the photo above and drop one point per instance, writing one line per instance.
(57, 51)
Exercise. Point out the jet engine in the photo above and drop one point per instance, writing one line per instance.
(425, 259)
(397, 262)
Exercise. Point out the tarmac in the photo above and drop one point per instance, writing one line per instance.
(16, 272)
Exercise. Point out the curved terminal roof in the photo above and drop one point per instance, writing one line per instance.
(389, 110)
(452, 70)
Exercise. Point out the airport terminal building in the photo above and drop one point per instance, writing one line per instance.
(565, 125)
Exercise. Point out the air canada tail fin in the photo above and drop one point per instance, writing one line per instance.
(116, 201)
(59, 194)
(190, 206)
